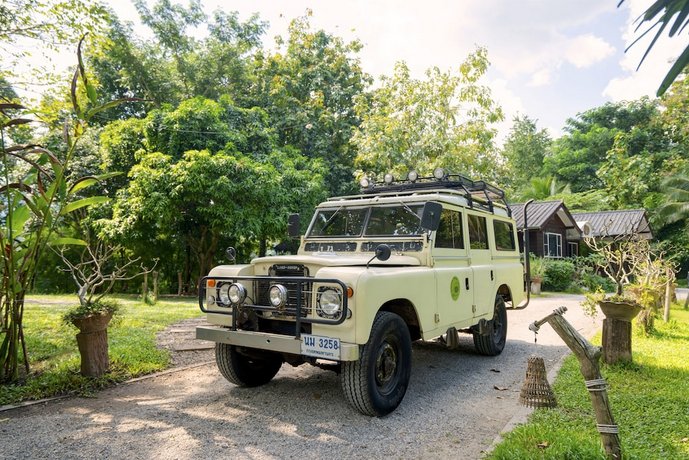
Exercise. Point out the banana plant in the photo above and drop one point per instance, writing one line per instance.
(36, 195)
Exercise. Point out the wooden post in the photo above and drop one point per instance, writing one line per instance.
(588, 356)
(617, 340)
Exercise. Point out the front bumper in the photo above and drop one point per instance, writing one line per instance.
(267, 341)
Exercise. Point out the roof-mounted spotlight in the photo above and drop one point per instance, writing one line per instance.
(412, 176)
(439, 173)
(388, 179)
(364, 182)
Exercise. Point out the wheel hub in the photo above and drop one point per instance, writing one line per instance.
(386, 364)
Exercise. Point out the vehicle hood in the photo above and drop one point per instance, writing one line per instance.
(336, 260)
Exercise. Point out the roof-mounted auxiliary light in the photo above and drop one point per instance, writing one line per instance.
(439, 173)
(364, 182)
(412, 176)
(388, 179)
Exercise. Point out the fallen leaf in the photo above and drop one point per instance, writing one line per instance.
(498, 397)
(3, 419)
(543, 445)
(495, 370)
(500, 388)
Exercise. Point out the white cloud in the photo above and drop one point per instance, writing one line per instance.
(585, 50)
(541, 77)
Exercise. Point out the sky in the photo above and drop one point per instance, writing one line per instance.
(550, 59)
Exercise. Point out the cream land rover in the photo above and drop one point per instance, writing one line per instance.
(405, 260)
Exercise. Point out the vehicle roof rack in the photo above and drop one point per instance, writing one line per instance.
(476, 192)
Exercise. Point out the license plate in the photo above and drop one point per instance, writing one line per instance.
(320, 347)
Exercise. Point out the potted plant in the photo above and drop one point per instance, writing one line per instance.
(92, 320)
(538, 268)
(95, 275)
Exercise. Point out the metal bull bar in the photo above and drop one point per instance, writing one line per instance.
(298, 284)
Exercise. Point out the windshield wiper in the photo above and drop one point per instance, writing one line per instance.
(330, 219)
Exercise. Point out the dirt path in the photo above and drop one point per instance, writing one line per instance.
(452, 408)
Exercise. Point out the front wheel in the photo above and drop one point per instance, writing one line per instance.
(493, 343)
(377, 382)
(246, 368)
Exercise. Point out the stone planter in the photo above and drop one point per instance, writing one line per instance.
(622, 311)
(536, 285)
(617, 330)
(93, 344)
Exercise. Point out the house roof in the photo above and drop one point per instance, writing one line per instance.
(539, 212)
(615, 223)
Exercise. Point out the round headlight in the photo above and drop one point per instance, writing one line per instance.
(236, 293)
(439, 173)
(330, 302)
(388, 178)
(278, 295)
(223, 296)
(412, 176)
(364, 182)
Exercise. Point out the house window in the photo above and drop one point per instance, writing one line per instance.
(573, 249)
(504, 236)
(449, 234)
(478, 235)
(552, 244)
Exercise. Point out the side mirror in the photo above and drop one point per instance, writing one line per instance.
(430, 218)
(231, 254)
(382, 253)
(293, 227)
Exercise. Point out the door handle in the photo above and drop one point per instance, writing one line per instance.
(466, 283)
(491, 275)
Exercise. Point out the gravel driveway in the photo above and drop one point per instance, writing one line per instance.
(456, 404)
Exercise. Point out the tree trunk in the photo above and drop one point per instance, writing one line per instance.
(155, 286)
(144, 288)
(180, 283)
(262, 247)
(668, 295)
(617, 340)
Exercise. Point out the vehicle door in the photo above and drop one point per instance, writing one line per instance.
(481, 264)
(454, 277)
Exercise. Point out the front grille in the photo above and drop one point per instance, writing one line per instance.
(290, 270)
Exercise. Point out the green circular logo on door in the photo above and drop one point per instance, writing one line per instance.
(454, 288)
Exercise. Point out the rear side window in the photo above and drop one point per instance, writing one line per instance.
(478, 236)
(504, 236)
(449, 234)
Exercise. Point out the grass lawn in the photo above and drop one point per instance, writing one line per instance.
(649, 400)
(54, 356)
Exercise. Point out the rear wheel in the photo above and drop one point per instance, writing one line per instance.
(246, 368)
(493, 343)
(377, 382)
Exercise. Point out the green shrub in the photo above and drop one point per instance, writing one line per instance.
(558, 275)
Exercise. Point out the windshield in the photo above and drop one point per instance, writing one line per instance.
(339, 222)
(394, 220)
(399, 220)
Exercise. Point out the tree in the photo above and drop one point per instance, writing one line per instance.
(578, 155)
(309, 88)
(444, 120)
(663, 12)
(525, 149)
(541, 188)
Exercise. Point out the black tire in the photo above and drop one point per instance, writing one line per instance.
(377, 382)
(493, 343)
(243, 370)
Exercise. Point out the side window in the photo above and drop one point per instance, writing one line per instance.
(478, 236)
(504, 236)
(449, 234)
